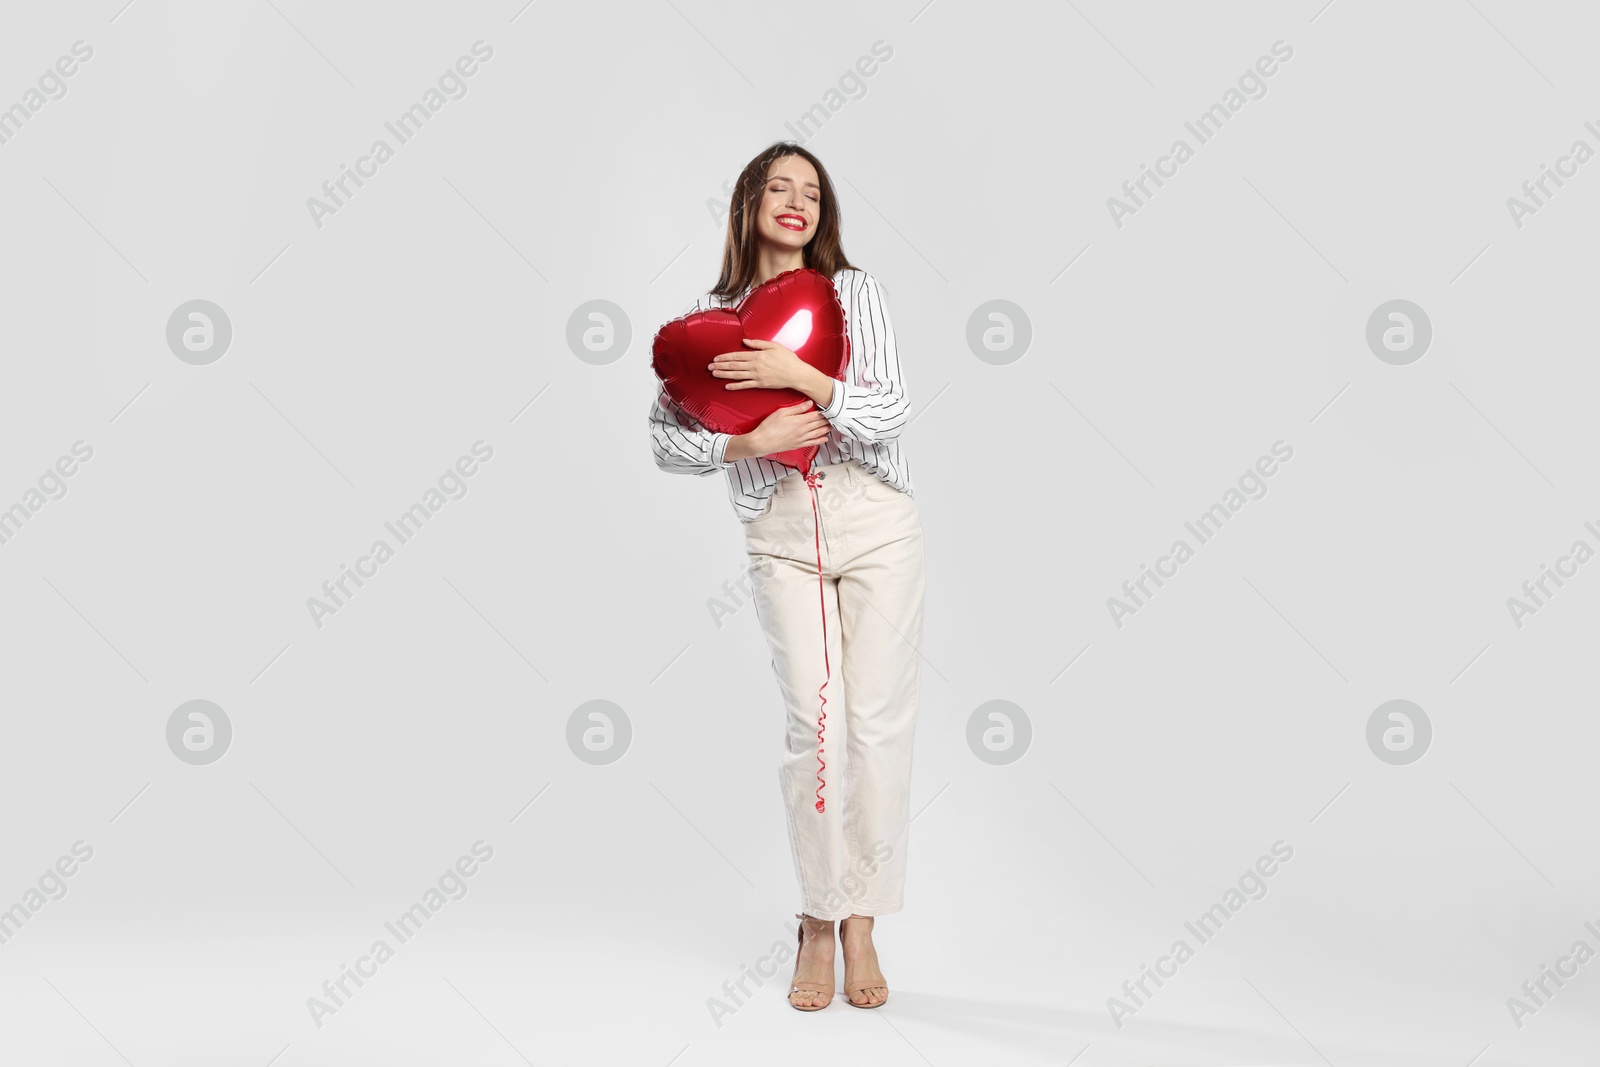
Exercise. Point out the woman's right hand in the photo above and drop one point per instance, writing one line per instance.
(796, 426)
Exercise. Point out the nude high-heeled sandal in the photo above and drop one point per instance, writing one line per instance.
(808, 987)
(878, 982)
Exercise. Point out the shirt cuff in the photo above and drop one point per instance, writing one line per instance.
(836, 402)
(719, 448)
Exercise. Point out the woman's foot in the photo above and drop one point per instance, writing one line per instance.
(864, 983)
(812, 986)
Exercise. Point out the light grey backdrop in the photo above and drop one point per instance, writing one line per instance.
(1141, 365)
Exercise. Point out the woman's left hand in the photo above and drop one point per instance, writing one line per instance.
(770, 366)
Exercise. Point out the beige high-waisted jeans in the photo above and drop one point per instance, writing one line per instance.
(850, 859)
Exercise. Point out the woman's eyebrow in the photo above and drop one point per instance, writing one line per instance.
(784, 178)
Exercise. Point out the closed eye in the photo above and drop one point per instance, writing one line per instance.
(809, 196)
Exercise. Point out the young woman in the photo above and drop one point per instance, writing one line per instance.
(850, 857)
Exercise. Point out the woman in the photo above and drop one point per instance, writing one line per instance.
(849, 857)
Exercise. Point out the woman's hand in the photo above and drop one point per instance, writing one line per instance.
(770, 366)
(796, 426)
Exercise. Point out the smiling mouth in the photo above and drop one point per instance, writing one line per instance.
(792, 222)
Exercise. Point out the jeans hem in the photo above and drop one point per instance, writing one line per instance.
(863, 909)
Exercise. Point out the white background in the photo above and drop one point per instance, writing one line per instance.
(1167, 354)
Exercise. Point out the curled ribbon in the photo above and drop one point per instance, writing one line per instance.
(811, 481)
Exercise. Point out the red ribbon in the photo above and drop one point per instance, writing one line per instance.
(811, 481)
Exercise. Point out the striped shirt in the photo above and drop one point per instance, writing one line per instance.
(868, 410)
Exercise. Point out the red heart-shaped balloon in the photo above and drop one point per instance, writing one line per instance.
(799, 309)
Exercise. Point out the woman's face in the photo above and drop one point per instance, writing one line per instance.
(791, 205)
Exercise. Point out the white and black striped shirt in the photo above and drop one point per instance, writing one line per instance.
(868, 410)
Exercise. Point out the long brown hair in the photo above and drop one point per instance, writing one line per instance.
(823, 253)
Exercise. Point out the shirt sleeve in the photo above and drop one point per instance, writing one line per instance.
(870, 404)
(680, 444)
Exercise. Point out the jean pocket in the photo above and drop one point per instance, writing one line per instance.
(772, 506)
(881, 491)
